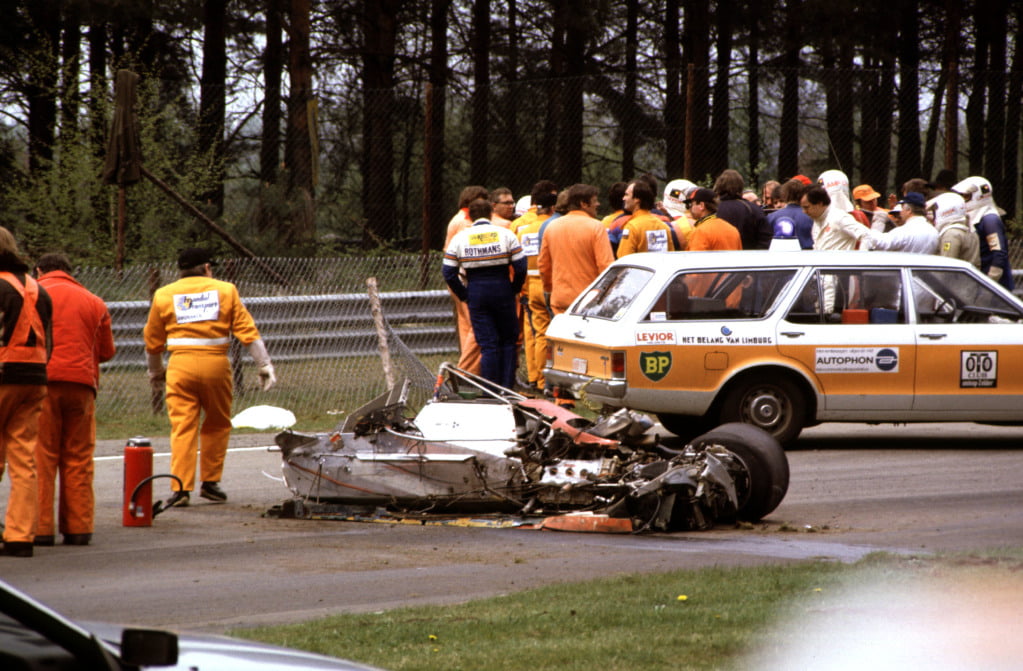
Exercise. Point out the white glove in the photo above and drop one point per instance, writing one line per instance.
(157, 373)
(267, 377)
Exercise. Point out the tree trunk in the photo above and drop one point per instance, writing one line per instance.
(41, 90)
(71, 54)
(569, 159)
(629, 132)
(718, 156)
(213, 102)
(907, 161)
(753, 101)
(696, 52)
(674, 108)
(380, 31)
(931, 137)
(994, 131)
(512, 137)
(273, 68)
(480, 46)
(298, 145)
(1010, 196)
(953, 22)
(978, 93)
(433, 181)
(554, 92)
(788, 136)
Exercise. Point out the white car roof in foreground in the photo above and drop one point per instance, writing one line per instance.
(672, 261)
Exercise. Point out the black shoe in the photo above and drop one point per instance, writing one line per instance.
(77, 539)
(177, 499)
(44, 541)
(212, 492)
(16, 549)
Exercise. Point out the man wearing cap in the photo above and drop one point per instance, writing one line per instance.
(193, 319)
(710, 232)
(866, 199)
(914, 233)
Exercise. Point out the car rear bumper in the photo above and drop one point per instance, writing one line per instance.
(598, 388)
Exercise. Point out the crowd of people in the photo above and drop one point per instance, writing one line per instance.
(548, 246)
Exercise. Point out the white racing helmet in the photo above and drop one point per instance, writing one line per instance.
(522, 206)
(836, 183)
(980, 200)
(676, 191)
(948, 209)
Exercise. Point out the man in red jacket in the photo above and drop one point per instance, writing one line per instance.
(82, 338)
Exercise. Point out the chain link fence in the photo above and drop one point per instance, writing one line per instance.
(315, 317)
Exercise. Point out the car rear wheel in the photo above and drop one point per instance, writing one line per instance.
(763, 477)
(776, 405)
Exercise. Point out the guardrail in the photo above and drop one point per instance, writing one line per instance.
(313, 327)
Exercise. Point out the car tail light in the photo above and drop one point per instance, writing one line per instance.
(618, 365)
(550, 356)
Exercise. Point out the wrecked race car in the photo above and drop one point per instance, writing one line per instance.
(480, 448)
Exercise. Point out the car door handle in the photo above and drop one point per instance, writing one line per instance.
(793, 334)
(933, 336)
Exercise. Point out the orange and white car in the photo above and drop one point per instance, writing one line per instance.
(784, 340)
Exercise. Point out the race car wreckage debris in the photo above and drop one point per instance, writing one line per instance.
(477, 448)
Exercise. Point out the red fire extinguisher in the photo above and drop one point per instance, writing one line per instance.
(138, 487)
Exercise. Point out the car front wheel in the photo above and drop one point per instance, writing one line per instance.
(775, 405)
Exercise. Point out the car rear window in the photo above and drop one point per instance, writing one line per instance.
(613, 293)
(717, 294)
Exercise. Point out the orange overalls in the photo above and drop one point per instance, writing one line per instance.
(20, 405)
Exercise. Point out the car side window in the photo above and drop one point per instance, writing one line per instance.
(956, 296)
(850, 296)
(733, 294)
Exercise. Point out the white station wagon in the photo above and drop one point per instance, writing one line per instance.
(784, 340)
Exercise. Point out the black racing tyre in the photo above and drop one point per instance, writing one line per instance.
(685, 427)
(765, 466)
(775, 404)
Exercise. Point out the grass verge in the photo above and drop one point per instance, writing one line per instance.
(712, 618)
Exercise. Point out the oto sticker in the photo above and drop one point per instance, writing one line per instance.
(856, 360)
(655, 365)
(978, 369)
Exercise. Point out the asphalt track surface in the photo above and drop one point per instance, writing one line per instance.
(855, 489)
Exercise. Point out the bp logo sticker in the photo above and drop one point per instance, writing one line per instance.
(655, 365)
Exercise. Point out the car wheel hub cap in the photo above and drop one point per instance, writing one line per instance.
(765, 410)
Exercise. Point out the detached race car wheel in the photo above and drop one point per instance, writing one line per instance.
(775, 405)
(765, 478)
